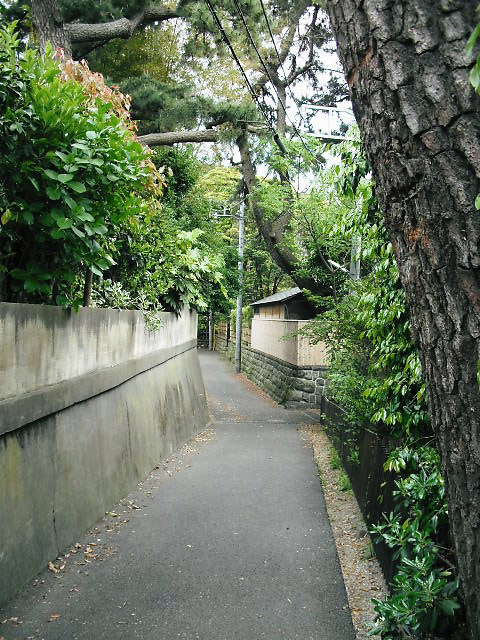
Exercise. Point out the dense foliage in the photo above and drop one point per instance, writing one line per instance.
(424, 591)
(375, 377)
(79, 194)
(71, 171)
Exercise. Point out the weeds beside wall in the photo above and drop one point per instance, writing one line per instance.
(372, 486)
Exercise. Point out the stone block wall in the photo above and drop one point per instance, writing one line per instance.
(286, 383)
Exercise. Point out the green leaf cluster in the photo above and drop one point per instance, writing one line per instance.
(78, 193)
(375, 376)
(70, 172)
(424, 591)
(99, 10)
(474, 75)
(375, 372)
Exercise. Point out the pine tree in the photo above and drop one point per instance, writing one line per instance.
(407, 71)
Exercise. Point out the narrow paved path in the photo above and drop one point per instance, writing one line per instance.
(231, 540)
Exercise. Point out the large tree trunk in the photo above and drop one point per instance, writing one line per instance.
(49, 27)
(419, 118)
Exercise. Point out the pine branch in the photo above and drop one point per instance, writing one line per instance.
(122, 28)
(174, 137)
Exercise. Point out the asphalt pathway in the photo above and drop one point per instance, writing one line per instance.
(227, 540)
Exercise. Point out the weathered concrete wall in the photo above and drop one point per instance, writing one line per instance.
(44, 345)
(286, 383)
(102, 427)
(278, 338)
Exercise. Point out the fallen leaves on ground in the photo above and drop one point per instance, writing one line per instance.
(57, 566)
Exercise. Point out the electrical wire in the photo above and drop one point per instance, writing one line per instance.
(281, 63)
(280, 59)
(276, 137)
(262, 62)
(273, 39)
(239, 64)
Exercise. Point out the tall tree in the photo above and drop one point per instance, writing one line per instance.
(59, 23)
(407, 72)
(279, 48)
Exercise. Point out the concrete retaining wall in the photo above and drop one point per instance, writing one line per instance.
(286, 383)
(89, 403)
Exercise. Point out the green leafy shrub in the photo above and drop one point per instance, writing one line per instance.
(424, 591)
(71, 170)
(79, 196)
(345, 482)
(375, 376)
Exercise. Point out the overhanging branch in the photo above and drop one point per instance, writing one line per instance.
(122, 28)
(175, 137)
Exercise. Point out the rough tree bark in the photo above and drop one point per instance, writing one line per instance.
(49, 27)
(87, 288)
(419, 118)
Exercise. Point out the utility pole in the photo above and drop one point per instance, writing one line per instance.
(210, 330)
(355, 257)
(238, 325)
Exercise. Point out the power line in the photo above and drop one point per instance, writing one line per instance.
(276, 137)
(273, 39)
(280, 59)
(239, 64)
(281, 63)
(262, 62)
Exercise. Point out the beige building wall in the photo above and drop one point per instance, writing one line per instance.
(276, 311)
(310, 354)
(274, 336)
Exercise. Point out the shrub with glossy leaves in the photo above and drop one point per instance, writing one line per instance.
(375, 376)
(424, 590)
(70, 171)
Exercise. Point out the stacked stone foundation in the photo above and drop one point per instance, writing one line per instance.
(286, 383)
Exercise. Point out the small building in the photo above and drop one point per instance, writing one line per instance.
(275, 326)
(276, 356)
(280, 359)
(290, 304)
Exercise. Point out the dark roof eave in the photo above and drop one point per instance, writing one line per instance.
(281, 296)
